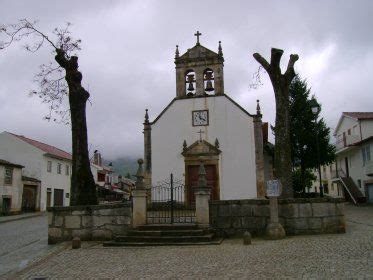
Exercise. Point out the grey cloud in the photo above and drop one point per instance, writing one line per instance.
(128, 50)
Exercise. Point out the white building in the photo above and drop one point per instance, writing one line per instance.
(202, 123)
(330, 186)
(11, 187)
(354, 134)
(43, 162)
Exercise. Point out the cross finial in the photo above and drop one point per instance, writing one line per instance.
(200, 134)
(146, 116)
(177, 52)
(220, 50)
(198, 34)
(258, 112)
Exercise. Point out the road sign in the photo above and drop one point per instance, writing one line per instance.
(273, 188)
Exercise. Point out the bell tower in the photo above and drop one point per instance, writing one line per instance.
(199, 71)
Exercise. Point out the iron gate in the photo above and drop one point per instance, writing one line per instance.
(170, 203)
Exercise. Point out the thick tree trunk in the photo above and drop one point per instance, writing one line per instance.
(283, 167)
(83, 188)
(281, 84)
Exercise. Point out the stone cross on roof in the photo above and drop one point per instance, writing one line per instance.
(198, 34)
(200, 134)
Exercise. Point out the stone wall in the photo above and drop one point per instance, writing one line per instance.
(297, 216)
(96, 222)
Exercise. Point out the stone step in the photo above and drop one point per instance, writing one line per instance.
(215, 241)
(161, 227)
(178, 232)
(165, 239)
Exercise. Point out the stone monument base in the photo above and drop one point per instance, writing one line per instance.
(275, 231)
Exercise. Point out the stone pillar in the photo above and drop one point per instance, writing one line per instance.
(202, 194)
(259, 153)
(200, 85)
(147, 149)
(180, 82)
(274, 228)
(219, 79)
(139, 199)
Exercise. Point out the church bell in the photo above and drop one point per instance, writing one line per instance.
(209, 86)
(208, 79)
(190, 81)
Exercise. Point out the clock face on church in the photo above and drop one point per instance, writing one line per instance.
(200, 118)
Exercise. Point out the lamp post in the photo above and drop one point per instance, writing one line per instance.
(315, 110)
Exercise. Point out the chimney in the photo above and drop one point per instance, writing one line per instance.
(97, 158)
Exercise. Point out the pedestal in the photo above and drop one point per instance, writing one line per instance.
(138, 207)
(202, 207)
(274, 229)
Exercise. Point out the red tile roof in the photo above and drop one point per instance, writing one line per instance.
(359, 115)
(45, 147)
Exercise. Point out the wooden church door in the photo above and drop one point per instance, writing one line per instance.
(211, 178)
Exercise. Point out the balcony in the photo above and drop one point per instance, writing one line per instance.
(338, 173)
(369, 168)
(346, 142)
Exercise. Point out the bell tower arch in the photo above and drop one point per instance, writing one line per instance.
(199, 71)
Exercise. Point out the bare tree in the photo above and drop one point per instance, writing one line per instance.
(55, 82)
(281, 84)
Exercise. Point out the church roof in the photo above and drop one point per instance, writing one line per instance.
(199, 53)
(202, 96)
(200, 148)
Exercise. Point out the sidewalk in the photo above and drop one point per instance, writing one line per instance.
(5, 219)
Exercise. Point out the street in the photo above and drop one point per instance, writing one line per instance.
(330, 256)
(21, 242)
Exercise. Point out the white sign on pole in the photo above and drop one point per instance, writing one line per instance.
(273, 188)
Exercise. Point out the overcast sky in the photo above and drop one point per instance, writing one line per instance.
(127, 59)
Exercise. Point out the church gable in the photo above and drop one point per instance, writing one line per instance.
(200, 148)
(197, 53)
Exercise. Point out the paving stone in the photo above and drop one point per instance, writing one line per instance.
(261, 210)
(304, 210)
(335, 256)
(246, 210)
(315, 223)
(288, 210)
(224, 210)
(58, 221)
(99, 221)
(50, 218)
(83, 234)
(102, 234)
(72, 222)
(329, 256)
(323, 209)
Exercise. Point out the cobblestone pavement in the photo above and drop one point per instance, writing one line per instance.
(333, 256)
(22, 241)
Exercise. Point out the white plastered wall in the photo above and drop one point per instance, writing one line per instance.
(228, 123)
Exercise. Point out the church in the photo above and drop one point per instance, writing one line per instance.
(203, 124)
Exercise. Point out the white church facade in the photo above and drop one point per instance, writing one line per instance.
(203, 124)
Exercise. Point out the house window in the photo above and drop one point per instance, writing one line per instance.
(8, 179)
(366, 154)
(59, 168)
(67, 170)
(49, 166)
(100, 177)
(359, 183)
(349, 131)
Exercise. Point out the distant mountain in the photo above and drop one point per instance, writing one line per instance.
(123, 165)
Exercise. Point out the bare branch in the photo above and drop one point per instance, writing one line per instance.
(290, 73)
(256, 80)
(262, 61)
(50, 80)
